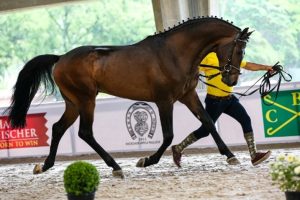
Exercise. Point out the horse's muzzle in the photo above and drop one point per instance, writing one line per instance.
(228, 81)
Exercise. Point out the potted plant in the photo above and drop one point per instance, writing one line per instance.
(81, 180)
(285, 171)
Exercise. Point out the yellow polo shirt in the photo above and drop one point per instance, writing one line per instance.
(212, 59)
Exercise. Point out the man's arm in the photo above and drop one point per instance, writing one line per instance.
(256, 67)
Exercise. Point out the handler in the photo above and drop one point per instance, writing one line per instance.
(218, 102)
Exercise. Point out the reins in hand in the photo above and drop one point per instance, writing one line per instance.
(265, 86)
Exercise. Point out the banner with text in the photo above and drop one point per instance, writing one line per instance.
(281, 114)
(32, 135)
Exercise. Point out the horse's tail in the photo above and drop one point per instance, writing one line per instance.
(37, 70)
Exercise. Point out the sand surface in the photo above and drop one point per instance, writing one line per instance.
(202, 176)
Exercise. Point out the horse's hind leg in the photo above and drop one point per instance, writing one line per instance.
(165, 113)
(58, 130)
(86, 113)
(191, 100)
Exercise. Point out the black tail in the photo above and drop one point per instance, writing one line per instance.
(37, 70)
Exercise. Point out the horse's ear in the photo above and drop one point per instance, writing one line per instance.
(245, 34)
(245, 31)
(249, 33)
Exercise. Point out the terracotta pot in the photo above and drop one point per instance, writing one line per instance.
(87, 196)
(292, 195)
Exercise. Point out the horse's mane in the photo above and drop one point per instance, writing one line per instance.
(184, 23)
(190, 21)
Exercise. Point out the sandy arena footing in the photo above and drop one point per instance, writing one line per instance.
(202, 176)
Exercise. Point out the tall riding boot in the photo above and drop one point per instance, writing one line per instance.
(256, 157)
(177, 149)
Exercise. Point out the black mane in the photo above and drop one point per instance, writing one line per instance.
(192, 21)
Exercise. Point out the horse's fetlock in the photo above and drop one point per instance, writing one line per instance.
(47, 166)
(152, 160)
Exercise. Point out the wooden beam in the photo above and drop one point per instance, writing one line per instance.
(198, 8)
(157, 15)
(166, 13)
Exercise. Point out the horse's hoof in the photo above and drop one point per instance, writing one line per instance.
(233, 161)
(37, 169)
(176, 156)
(118, 173)
(141, 162)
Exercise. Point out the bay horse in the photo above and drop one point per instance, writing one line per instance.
(162, 68)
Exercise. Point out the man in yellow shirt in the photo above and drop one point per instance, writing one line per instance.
(217, 102)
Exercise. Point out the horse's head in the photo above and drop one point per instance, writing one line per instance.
(230, 56)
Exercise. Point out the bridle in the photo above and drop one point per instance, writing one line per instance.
(226, 69)
(228, 66)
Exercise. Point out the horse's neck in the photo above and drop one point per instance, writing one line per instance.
(194, 45)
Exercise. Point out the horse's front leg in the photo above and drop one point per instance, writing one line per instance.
(165, 113)
(192, 101)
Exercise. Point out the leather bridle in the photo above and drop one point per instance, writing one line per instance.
(228, 66)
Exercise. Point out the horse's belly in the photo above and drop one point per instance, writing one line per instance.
(127, 91)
